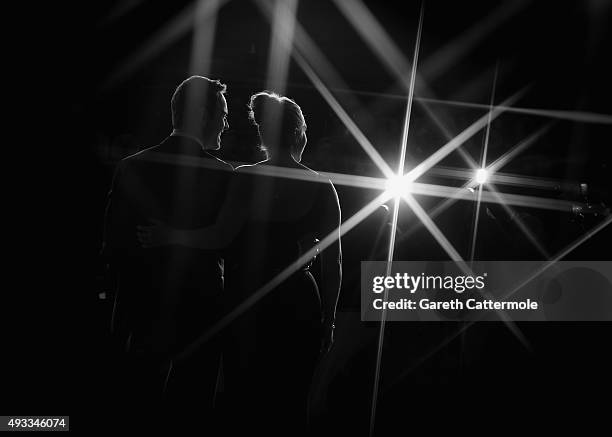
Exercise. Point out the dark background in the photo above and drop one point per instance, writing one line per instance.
(90, 117)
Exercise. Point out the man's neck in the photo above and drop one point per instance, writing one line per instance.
(177, 132)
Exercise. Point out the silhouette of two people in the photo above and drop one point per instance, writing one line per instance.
(262, 220)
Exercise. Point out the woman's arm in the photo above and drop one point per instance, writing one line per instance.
(331, 266)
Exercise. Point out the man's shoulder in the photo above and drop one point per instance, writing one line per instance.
(218, 162)
(162, 154)
(158, 160)
(141, 155)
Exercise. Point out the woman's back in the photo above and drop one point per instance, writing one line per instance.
(278, 339)
(283, 216)
(281, 207)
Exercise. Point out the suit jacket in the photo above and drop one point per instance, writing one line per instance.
(166, 295)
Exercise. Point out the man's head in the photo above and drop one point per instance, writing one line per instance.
(199, 108)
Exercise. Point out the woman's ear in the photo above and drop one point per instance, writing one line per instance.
(300, 144)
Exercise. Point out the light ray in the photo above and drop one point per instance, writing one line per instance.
(519, 222)
(461, 192)
(434, 230)
(377, 39)
(454, 255)
(416, 188)
(463, 174)
(345, 118)
(383, 46)
(453, 172)
(578, 116)
(471, 90)
(281, 41)
(204, 28)
(475, 223)
(400, 173)
(460, 45)
(499, 178)
(559, 256)
(381, 331)
(205, 24)
(307, 54)
(465, 155)
(349, 224)
(358, 181)
(483, 161)
(120, 10)
(434, 350)
(517, 149)
(467, 133)
(508, 198)
(174, 30)
(481, 177)
(203, 37)
(481, 174)
(529, 181)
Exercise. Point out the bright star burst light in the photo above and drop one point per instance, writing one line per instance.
(398, 186)
(481, 175)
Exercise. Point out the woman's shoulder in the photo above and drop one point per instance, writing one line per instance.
(329, 191)
(321, 177)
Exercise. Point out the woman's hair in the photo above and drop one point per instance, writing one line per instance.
(279, 119)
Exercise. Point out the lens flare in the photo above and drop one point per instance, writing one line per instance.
(481, 176)
(398, 186)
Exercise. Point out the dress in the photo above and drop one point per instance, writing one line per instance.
(277, 341)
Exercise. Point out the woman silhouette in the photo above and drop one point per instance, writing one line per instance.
(268, 221)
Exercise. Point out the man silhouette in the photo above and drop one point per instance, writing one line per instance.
(167, 296)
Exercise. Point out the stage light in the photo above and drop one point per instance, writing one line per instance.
(481, 175)
(398, 186)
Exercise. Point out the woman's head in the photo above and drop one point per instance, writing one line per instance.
(281, 124)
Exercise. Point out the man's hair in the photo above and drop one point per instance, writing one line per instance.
(195, 92)
(270, 111)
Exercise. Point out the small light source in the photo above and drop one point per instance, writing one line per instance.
(397, 186)
(482, 175)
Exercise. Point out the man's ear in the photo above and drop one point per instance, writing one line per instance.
(302, 139)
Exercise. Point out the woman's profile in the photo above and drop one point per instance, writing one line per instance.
(275, 211)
